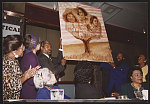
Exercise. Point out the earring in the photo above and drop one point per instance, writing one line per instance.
(16, 56)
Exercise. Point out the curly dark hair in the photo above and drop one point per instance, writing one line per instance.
(83, 72)
(27, 40)
(131, 70)
(12, 43)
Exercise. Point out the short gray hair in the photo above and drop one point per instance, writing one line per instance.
(41, 77)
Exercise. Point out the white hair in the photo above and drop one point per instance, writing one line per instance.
(43, 77)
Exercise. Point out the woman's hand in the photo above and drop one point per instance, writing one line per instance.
(63, 62)
(29, 73)
(115, 94)
(113, 65)
(60, 44)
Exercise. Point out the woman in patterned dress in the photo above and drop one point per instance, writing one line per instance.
(13, 78)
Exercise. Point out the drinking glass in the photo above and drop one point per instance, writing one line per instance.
(138, 94)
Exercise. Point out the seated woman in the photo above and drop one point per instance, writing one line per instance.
(44, 79)
(136, 76)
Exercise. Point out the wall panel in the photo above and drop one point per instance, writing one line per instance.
(54, 37)
(39, 31)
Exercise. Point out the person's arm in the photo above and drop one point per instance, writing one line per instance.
(57, 60)
(105, 65)
(58, 69)
(55, 68)
(60, 61)
(29, 73)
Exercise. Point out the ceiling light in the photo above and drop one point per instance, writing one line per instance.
(55, 6)
(5, 16)
(144, 31)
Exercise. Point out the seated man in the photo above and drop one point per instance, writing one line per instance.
(44, 79)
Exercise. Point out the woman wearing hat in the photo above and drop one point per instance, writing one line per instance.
(30, 59)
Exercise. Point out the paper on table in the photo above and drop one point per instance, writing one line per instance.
(110, 98)
(57, 94)
(145, 94)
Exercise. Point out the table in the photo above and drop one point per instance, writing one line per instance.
(128, 101)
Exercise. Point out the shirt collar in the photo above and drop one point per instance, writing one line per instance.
(46, 55)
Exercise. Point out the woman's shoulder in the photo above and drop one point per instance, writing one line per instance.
(29, 58)
(29, 55)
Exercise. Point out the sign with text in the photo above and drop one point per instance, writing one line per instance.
(83, 33)
(10, 29)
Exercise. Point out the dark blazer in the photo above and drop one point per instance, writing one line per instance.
(52, 63)
(127, 89)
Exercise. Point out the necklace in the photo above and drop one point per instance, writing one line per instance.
(136, 87)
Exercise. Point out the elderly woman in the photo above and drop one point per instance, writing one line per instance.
(13, 78)
(136, 83)
(45, 80)
(30, 59)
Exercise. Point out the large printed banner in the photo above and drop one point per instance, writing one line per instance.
(83, 33)
(10, 29)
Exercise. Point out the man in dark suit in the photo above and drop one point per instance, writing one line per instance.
(55, 64)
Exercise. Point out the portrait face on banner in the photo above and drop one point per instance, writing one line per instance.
(83, 33)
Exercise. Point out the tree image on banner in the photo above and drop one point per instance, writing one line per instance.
(82, 26)
(83, 33)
